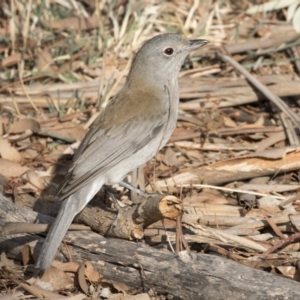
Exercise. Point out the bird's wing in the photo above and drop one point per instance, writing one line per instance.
(107, 145)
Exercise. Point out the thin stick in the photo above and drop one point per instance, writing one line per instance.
(263, 89)
(232, 190)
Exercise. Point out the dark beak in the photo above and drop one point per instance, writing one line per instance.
(195, 44)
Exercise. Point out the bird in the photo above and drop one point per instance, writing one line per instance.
(136, 123)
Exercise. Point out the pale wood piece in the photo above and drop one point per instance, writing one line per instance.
(236, 169)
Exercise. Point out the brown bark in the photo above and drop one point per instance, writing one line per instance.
(182, 275)
(128, 222)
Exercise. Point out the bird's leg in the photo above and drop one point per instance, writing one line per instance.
(114, 200)
(117, 206)
(133, 189)
(122, 211)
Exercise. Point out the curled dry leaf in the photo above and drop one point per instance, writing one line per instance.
(70, 266)
(81, 278)
(120, 287)
(27, 257)
(86, 270)
(8, 152)
(91, 274)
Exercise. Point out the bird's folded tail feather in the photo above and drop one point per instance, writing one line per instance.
(58, 229)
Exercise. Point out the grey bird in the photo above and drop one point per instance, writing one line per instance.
(132, 128)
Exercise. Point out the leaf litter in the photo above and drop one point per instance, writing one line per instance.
(234, 156)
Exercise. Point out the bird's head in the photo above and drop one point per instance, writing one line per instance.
(162, 56)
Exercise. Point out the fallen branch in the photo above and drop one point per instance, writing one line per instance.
(182, 275)
(128, 223)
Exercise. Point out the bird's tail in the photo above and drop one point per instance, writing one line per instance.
(69, 209)
(58, 229)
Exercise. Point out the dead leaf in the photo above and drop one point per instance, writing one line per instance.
(86, 272)
(228, 122)
(29, 154)
(44, 61)
(41, 290)
(91, 274)
(66, 267)
(27, 257)
(271, 140)
(206, 196)
(287, 271)
(295, 220)
(77, 297)
(170, 158)
(4, 261)
(70, 130)
(36, 182)
(259, 122)
(163, 170)
(11, 169)
(269, 188)
(14, 295)
(194, 155)
(71, 148)
(81, 278)
(8, 152)
(76, 23)
(143, 296)
(14, 59)
(30, 182)
(120, 287)
(22, 125)
(22, 139)
(57, 278)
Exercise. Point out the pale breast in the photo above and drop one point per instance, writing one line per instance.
(173, 93)
(118, 172)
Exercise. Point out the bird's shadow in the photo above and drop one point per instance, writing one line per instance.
(49, 194)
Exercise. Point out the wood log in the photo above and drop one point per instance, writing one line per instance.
(128, 222)
(180, 275)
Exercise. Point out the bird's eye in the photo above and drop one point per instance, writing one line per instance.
(169, 51)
